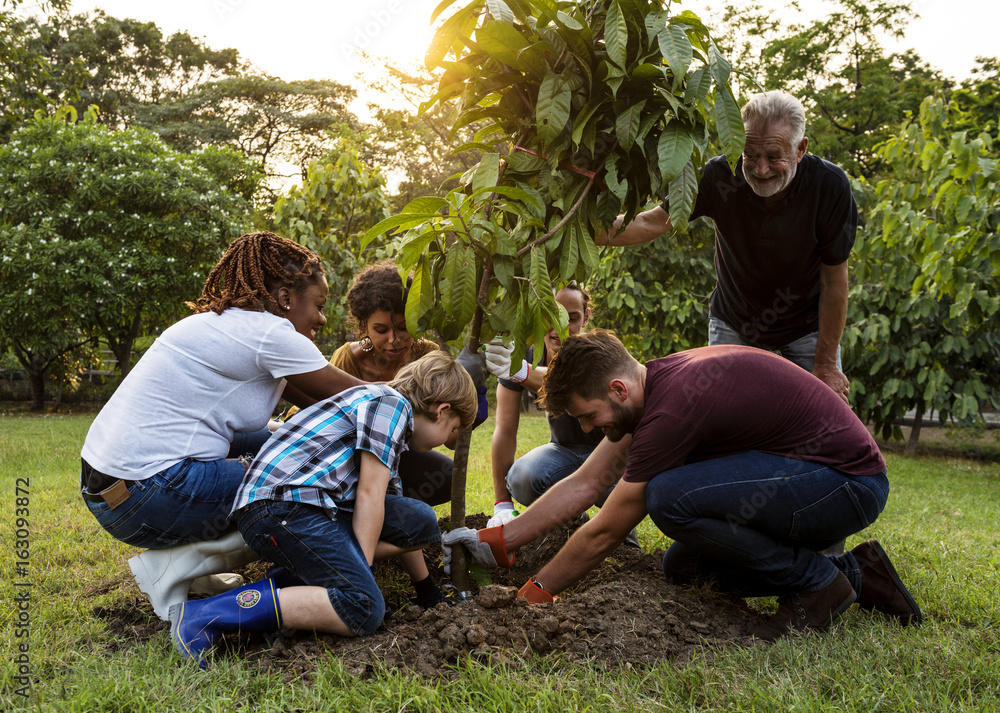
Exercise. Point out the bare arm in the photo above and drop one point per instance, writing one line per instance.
(369, 504)
(571, 495)
(833, 288)
(587, 548)
(645, 227)
(504, 445)
(306, 389)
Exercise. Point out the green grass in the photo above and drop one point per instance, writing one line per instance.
(941, 528)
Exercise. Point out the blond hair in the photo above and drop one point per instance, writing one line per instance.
(438, 379)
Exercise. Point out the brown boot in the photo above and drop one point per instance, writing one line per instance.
(809, 610)
(881, 588)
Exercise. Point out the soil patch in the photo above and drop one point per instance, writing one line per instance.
(622, 614)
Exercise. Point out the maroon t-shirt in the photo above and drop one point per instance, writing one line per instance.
(720, 400)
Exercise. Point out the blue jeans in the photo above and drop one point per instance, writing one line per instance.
(754, 522)
(187, 502)
(802, 351)
(323, 551)
(541, 468)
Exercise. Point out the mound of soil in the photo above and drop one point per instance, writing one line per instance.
(622, 614)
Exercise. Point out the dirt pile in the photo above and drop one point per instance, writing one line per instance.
(622, 614)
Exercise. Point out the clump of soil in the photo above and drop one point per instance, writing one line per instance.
(622, 614)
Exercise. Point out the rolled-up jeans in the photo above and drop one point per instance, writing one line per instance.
(323, 551)
(802, 351)
(531, 475)
(187, 502)
(754, 522)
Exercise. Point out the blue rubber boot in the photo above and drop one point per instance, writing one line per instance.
(196, 625)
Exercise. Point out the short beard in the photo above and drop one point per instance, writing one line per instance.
(769, 188)
(626, 419)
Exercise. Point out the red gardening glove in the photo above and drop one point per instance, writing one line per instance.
(535, 594)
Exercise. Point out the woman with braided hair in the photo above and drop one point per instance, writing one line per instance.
(160, 467)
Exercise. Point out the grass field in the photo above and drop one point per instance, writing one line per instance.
(940, 526)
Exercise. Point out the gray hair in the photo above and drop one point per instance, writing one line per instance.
(776, 107)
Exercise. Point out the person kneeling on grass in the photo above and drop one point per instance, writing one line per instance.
(749, 463)
(322, 499)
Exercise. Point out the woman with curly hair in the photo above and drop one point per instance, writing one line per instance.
(377, 301)
(159, 465)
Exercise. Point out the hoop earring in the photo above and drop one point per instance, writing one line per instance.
(366, 344)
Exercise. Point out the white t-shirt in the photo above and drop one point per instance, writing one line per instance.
(204, 379)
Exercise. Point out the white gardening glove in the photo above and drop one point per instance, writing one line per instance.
(485, 546)
(498, 362)
(503, 512)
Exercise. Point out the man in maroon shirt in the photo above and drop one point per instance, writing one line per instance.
(749, 463)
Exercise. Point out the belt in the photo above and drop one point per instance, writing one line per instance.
(97, 487)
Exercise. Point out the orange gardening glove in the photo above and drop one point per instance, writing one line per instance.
(535, 594)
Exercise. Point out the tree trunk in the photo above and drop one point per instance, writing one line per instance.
(918, 421)
(459, 561)
(37, 378)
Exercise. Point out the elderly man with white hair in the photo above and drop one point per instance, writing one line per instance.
(785, 223)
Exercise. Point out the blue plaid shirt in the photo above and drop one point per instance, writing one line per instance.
(313, 458)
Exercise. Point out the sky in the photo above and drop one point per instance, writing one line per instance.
(313, 39)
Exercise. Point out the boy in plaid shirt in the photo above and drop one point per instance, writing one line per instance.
(323, 499)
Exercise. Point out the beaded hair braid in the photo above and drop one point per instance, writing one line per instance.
(253, 266)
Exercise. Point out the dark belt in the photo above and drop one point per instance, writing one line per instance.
(98, 487)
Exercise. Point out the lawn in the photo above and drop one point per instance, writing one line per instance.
(940, 526)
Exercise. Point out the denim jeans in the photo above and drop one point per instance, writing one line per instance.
(187, 502)
(754, 522)
(541, 468)
(323, 551)
(802, 351)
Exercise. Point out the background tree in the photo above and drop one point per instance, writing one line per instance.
(339, 200)
(419, 146)
(923, 330)
(575, 99)
(112, 230)
(274, 122)
(128, 66)
(24, 70)
(977, 101)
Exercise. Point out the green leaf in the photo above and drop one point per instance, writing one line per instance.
(676, 48)
(552, 110)
(682, 193)
(627, 125)
(396, 222)
(425, 205)
(589, 252)
(729, 123)
(568, 21)
(718, 65)
(580, 122)
(460, 271)
(532, 199)
(487, 172)
(501, 41)
(421, 296)
(673, 150)
(616, 36)
(499, 11)
(570, 251)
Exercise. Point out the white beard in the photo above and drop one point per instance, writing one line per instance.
(767, 188)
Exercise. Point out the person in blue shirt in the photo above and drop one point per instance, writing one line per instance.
(323, 499)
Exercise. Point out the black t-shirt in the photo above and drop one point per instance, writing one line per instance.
(767, 261)
(564, 430)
